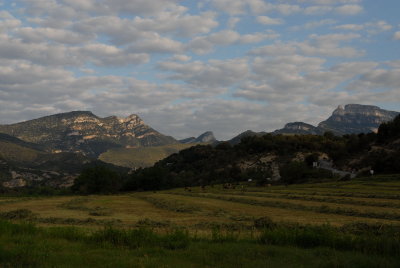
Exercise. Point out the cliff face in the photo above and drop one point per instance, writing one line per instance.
(84, 132)
(298, 128)
(356, 118)
(350, 119)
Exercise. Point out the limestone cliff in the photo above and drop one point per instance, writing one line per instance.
(356, 118)
(84, 132)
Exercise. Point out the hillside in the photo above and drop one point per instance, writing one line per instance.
(356, 118)
(141, 156)
(350, 119)
(268, 158)
(84, 132)
(23, 164)
(299, 128)
(12, 149)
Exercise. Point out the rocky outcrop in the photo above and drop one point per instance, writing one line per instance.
(356, 118)
(84, 132)
(299, 128)
(206, 137)
(350, 119)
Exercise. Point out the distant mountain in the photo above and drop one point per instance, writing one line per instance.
(356, 118)
(24, 164)
(299, 128)
(206, 137)
(84, 132)
(350, 119)
(248, 133)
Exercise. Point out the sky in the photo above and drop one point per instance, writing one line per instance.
(186, 67)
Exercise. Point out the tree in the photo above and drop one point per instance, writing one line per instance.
(294, 172)
(98, 179)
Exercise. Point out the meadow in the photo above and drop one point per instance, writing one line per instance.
(141, 156)
(330, 224)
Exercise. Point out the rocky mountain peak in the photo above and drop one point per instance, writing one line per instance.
(132, 119)
(206, 137)
(82, 131)
(366, 110)
(356, 118)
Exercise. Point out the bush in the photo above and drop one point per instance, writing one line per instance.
(294, 172)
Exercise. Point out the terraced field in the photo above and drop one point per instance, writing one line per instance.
(334, 203)
(335, 224)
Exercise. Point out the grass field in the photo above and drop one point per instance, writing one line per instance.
(141, 156)
(331, 224)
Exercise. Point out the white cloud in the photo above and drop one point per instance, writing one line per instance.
(374, 27)
(232, 22)
(39, 35)
(329, 46)
(157, 44)
(213, 75)
(317, 45)
(349, 9)
(236, 7)
(206, 44)
(318, 10)
(314, 24)
(139, 56)
(269, 21)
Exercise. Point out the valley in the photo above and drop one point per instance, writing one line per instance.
(249, 202)
(211, 220)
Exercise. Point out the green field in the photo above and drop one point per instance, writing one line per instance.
(141, 156)
(332, 224)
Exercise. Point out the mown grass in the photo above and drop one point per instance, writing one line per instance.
(326, 199)
(26, 245)
(324, 209)
(259, 227)
(172, 205)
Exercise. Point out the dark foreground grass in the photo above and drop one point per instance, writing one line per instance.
(26, 245)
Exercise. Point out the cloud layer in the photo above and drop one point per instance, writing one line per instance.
(219, 65)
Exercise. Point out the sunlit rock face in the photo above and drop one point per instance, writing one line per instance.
(82, 131)
(356, 118)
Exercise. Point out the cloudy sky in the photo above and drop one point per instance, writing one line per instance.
(186, 67)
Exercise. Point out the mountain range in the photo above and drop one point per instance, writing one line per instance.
(54, 149)
(83, 132)
(350, 119)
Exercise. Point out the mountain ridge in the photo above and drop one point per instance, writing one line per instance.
(84, 132)
(348, 119)
(206, 137)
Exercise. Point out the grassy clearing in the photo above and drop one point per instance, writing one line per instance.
(141, 156)
(171, 205)
(26, 245)
(328, 199)
(306, 206)
(257, 227)
(282, 204)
